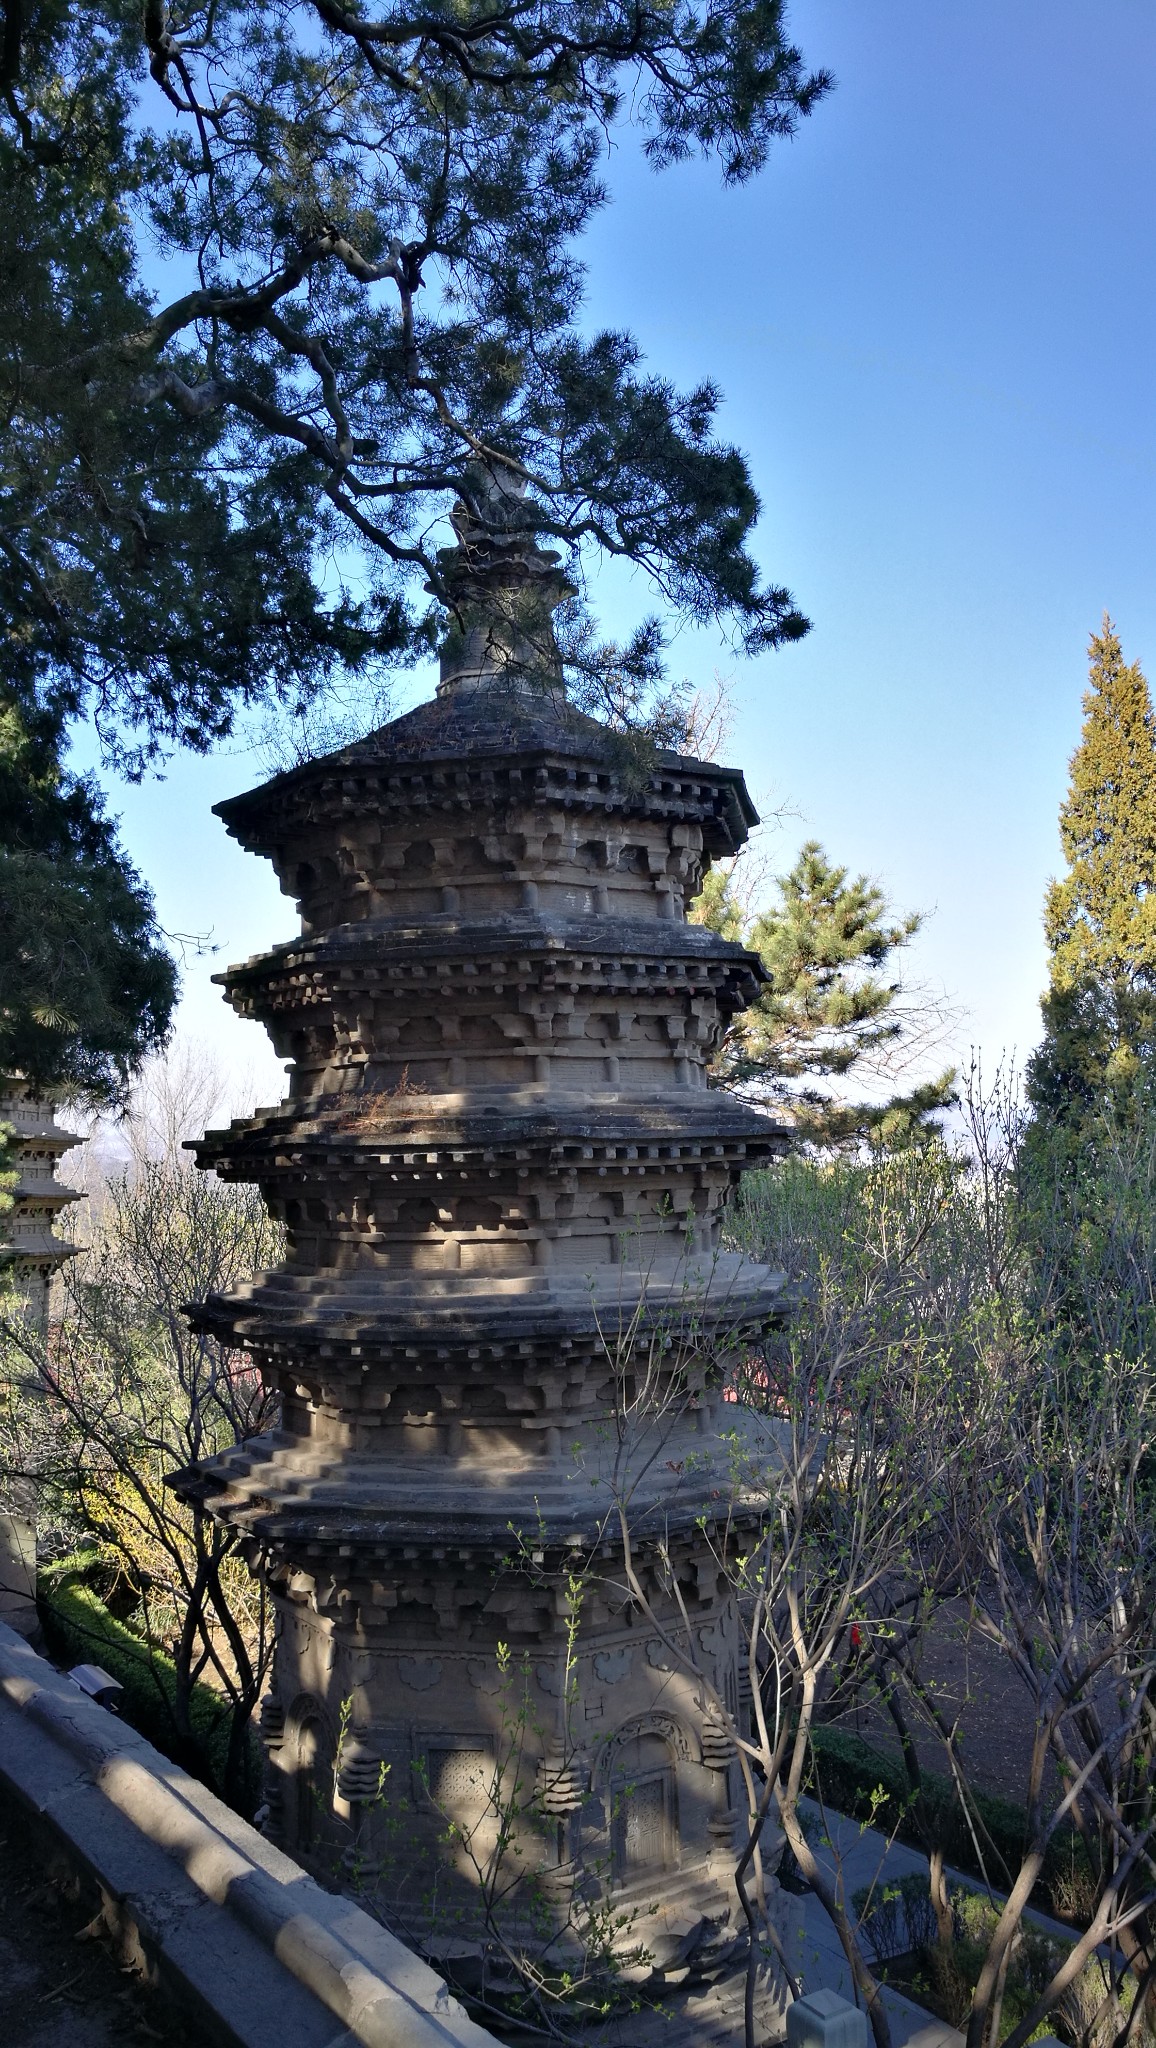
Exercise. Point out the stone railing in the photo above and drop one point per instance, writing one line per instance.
(256, 1953)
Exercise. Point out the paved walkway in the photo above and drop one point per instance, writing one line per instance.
(866, 1856)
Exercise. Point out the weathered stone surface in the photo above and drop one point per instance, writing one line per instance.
(264, 1956)
(63, 1983)
(502, 1178)
(822, 2019)
(18, 1574)
(30, 1249)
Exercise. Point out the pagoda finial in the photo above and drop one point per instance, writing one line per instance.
(502, 588)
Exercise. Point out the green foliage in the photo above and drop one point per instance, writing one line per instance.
(897, 1918)
(896, 1914)
(1101, 918)
(361, 283)
(9, 1173)
(1090, 1217)
(883, 1250)
(151, 572)
(828, 1006)
(79, 1629)
(1018, 1502)
(86, 985)
(97, 1424)
(871, 1784)
(1099, 1043)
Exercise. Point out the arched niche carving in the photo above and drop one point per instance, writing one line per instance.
(306, 1748)
(683, 1746)
(642, 1774)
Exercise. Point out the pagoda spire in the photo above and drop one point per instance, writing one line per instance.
(501, 588)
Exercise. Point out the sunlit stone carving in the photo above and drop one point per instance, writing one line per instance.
(499, 1154)
(31, 1254)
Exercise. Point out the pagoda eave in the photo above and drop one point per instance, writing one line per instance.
(373, 1507)
(370, 1133)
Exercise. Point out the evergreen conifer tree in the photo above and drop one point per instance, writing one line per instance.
(363, 297)
(1099, 1043)
(86, 984)
(828, 1006)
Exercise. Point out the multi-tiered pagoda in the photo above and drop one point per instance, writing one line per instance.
(502, 1178)
(31, 1254)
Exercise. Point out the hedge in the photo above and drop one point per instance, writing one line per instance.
(79, 1629)
(871, 1786)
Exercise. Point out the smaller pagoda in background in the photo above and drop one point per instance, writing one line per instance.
(31, 1254)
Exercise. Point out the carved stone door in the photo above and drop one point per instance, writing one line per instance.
(643, 1829)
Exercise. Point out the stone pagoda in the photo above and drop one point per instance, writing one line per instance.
(502, 1178)
(30, 1252)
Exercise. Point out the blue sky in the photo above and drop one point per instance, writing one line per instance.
(933, 320)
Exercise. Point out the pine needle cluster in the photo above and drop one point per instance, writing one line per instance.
(832, 1004)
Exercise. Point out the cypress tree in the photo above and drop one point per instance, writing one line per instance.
(1099, 1012)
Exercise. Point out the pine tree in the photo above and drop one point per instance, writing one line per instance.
(1099, 1012)
(363, 289)
(86, 985)
(829, 1005)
